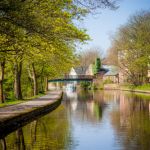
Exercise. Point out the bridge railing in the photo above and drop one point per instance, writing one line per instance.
(73, 78)
(78, 77)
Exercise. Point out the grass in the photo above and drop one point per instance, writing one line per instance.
(144, 87)
(11, 102)
(14, 101)
(36, 96)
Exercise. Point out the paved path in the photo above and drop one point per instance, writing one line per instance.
(12, 111)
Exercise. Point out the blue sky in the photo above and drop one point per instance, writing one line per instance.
(105, 24)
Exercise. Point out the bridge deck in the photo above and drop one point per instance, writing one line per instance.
(73, 78)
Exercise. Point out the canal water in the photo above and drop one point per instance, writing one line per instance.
(102, 120)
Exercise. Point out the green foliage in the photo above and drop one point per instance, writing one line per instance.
(101, 86)
(107, 81)
(96, 66)
(94, 87)
(85, 85)
(133, 45)
(40, 34)
(38, 41)
(143, 87)
(93, 69)
(91, 86)
(12, 102)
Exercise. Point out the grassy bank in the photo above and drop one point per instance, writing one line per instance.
(144, 87)
(14, 101)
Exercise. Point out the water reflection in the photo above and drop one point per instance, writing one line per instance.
(48, 132)
(107, 120)
(132, 122)
(123, 116)
(85, 106)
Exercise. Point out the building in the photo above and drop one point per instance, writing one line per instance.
(89, 70)
(78, 71)
(75, 73)
(112, 73)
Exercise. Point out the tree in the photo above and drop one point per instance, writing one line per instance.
(133, 45)
(96, 66)
(49, 28)
(112, 55)
(89, 56)
(96, 4)
(2, 67)
(38, 35)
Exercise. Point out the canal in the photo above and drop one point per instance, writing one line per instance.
(102, 120)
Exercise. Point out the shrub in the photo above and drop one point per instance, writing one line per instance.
(107, 81)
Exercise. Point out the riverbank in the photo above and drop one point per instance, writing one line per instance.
(125, 88)
(15, 101)
(15, 116)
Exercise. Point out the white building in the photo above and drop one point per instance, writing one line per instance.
(78, 71)
(75, 73)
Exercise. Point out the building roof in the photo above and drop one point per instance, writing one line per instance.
(81, 70)
(111, 70)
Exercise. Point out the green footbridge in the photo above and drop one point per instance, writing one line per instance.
(71, 78)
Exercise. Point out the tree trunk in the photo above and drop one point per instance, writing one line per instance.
(17, 83)
(3, 143)
(42, 84)
(35, 80)
(46, 84)
(2, 65)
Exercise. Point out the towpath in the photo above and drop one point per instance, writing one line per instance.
(15, 115)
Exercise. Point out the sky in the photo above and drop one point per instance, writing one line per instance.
(102, 26)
